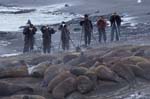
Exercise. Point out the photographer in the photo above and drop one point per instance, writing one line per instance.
(65, 36)
(46, 35)
(29, 32)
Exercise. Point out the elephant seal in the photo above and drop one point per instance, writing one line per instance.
(64, 88)
(10, 89)
(84, 84)
(58, 79)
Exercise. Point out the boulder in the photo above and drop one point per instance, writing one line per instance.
(78, 70)
(84, 84)
(64, 88)
(58, 79)
(38, 70)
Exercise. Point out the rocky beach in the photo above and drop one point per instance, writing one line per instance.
(111, 70)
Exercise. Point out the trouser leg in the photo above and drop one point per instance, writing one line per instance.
(63, 44)
(89, 38)
(119, 31)
(112, 33)
(26, 45)
(117, 35)
(104, 35)
(31, 44)
(49, 48)
(85, 38)
(100, 35)
(67, 44)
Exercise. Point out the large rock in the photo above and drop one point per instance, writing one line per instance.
(26, 97)
(52, 72)
(58, 79)
(13, 69)
(84, 84)
(76, 95)
(105, 73)
(64, 88)
(78, 70)
(7, 89)
(123, 71)
(38, 70)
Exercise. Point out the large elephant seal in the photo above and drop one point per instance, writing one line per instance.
(123, 71)
(58, 79)
(134, 60)
(26, 97)
(38, 70)
(76, 95)
(52, 72)
(69, 57)
(10, 89)
(138, 71)
(105, 73)
(78, 70)
(13, 69)
(146, 67)
(64, 88)
(84, 84)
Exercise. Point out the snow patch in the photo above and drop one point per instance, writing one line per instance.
(41, 15)
(8, 55)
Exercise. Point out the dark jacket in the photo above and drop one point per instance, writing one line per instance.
(115, 18)
(47, 32)
(65, 33)
(29, 31)
(87, 25)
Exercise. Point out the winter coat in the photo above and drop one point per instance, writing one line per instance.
(101, 24)
(47, 32)
(87, 25)
(29, 31)
(115, 18)
(65, 33)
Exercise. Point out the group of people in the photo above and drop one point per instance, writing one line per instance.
(87, 29)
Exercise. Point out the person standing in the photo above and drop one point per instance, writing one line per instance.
(101, 25)
(65, 36)
(87, 29)
(115, 21)
(46, 35)
(29, 32)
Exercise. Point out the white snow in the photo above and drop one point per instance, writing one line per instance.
(43, 15)
(8, 55)
(139, 1)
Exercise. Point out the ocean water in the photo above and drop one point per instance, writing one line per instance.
(11, 17)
